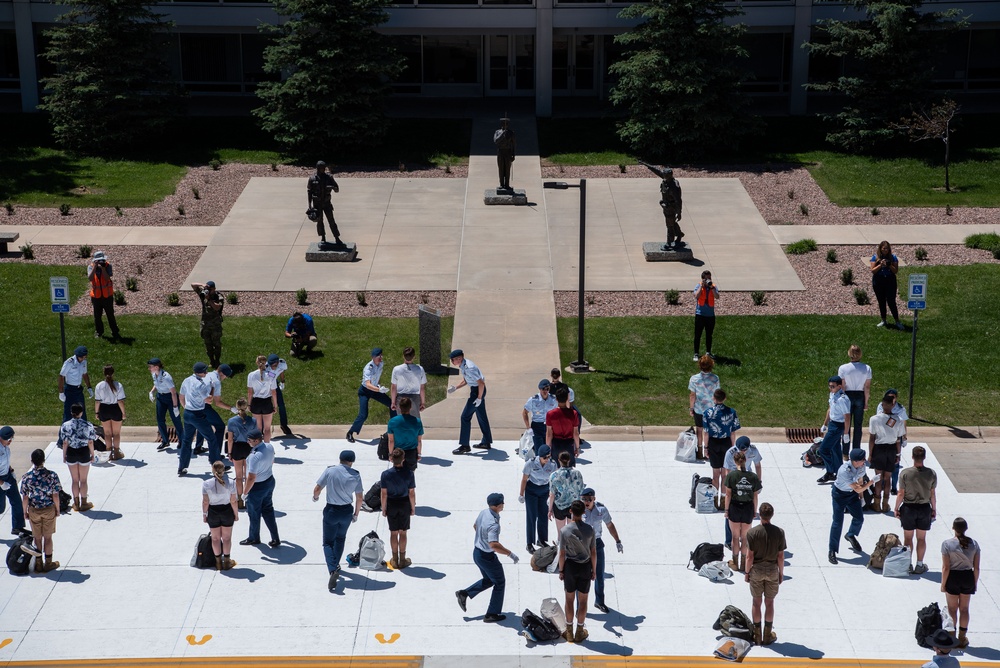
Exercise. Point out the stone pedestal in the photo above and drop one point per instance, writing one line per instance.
(327, 252)
(657, 251)
(429, 321)
(496, 196)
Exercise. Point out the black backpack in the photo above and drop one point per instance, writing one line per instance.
(734, 623)
(695, 481)
(811, 457)
(18, 560)
(65, 503)
(373, 498)
(204, 556)
(706, 553)
(928, 623)
(383, 447)
(538, 629)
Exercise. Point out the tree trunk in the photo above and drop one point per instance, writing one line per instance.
(947, 147)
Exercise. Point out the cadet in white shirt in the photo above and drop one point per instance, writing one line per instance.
(857, 377)
(408, 380)
(277, 367)
(884, 435)
(219, 512)
(71, 378)
(371, 390)
(899, 413)
(262, 393)
(164, 395)
(109, 404)
(195, 392)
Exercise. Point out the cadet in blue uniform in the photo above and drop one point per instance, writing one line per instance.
(597, 515)
(260, 490)
(534, 494)
(488, 546)
(535, 410)
(343, 503)
(476, 403)
(846, 492)
(837, 428)
(72, 375)
(195, 392)
(370, 390)
(164, 394)
(8, 485)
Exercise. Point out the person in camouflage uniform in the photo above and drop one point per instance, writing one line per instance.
(211, 319)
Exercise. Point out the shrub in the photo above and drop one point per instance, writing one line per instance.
(920, 253)
(64, 209)
(590, 300)
(990, 241)
(847, 276)
(801, 247)
(274, 166)
(302, 297)
(947, 209)
(622, 168)
(803, 209)
(181, 210)
(673, 297)
(195, 192)
(9, 207)
(861, 297)
(233, 298)
(360, 296)
(119, 212)
(875, 211)
(447, 169)
(759, 297)
(215, 164)
(131, 283)
(119, 298)
(791, 194)
(28, 251)
(831, 255)
(173, 299)
(424, 298)
(84, 251)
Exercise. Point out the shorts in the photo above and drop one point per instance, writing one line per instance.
(960, 582)
(717, 448)
(261, 406)
(410, 458)
(79, 456)
(740, 512)
(883, 457)
(764, 579)
(109, 413)
(560, 513)
(239, 451)
(915, 516)
(220, 516)
(697, 421)
(42, 519)
(576, 576)
(397, 511)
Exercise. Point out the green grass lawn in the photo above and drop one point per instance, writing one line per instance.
(321, 390)
(775, 367)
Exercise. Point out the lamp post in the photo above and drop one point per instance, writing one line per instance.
(580, 365)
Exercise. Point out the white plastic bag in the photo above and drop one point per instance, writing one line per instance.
(897, 564)
(732, 649)
(947, 623)
(716, 571)
(704, 498)
(526, 447)
(687, 447)
(552, 611)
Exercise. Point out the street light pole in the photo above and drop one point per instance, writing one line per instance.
(580, 365)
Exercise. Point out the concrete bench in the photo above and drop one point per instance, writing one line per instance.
(6, 238)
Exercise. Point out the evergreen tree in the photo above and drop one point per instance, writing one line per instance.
(887, 67)
(112, 88)
(335, 71)
(680, 79)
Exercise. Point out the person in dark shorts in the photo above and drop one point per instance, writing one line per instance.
(765, 569)
(884, 447)
(721, 423)
(399, 504)
(565, 486)
(237, 447)
(562, 428)
(218, 510)
(262, 393)
(77, 440)
(406, 433)
(741, 487)
(960, 576)
(109, 405)
(916, 505)
(577, 569)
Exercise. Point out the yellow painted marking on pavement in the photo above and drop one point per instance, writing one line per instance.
(763, 662)
(233, 662)
(5, 642)
(381, 638)
(204, 639)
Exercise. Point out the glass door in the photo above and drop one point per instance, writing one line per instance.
(511, 65)
(574, 59)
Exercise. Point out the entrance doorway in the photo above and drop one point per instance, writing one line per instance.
(511, 65)
(574, 59)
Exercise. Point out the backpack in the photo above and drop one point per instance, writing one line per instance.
(885, 542)
(203, 557)
(544, 557)
(734, 623)
(19, 558)
(383, 447)
(715, 571)
(537, 629)
(695, 481)
(370, 554)
(705, 553)
(811, 457)
(687, 447)
(897, 563)
(372, 500)
(65, 503)
(928, 623)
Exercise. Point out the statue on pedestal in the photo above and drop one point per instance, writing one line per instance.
(506, 145)
(670, 202)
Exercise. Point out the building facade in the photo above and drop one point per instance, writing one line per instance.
(540, 49)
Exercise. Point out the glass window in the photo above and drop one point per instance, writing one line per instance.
(451, 60)
(10, 77)
(211, 63)
(253, 61)
(769, 61)
(408, 47)
(984, 59)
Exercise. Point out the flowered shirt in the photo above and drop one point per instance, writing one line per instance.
(720, 420)
(39, 484)
(704, 386)
(78, 431)
(566, 484)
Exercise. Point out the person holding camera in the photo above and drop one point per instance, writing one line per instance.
(318, 190)
(884, 266)
(705, 294)
(212, 303)
(102, 294)
(302, 331)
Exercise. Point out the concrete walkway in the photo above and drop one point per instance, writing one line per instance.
(111, 235)
(871, 235)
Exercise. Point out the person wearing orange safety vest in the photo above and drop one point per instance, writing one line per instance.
(102, 290)
(705, 294)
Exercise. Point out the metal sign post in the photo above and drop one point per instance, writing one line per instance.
(916, 302)
(59, 292)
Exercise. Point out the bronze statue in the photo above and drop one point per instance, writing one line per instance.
(506, 147)
(319, 189)
(670, 202)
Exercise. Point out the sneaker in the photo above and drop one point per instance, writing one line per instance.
(695, 358)
(491, 619)
(350, 437)
(482, 445)
(855, 545)
(709, 353)
(162, 446)
(530, 548)
(899, 325)
(22, 533)
(227, 469)
(29, 548)
(461, 450)
(182, 473)
(581, 634)
(881, 324)
(919, 569)
(601, 607)
(332, 583)
(462, 598)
